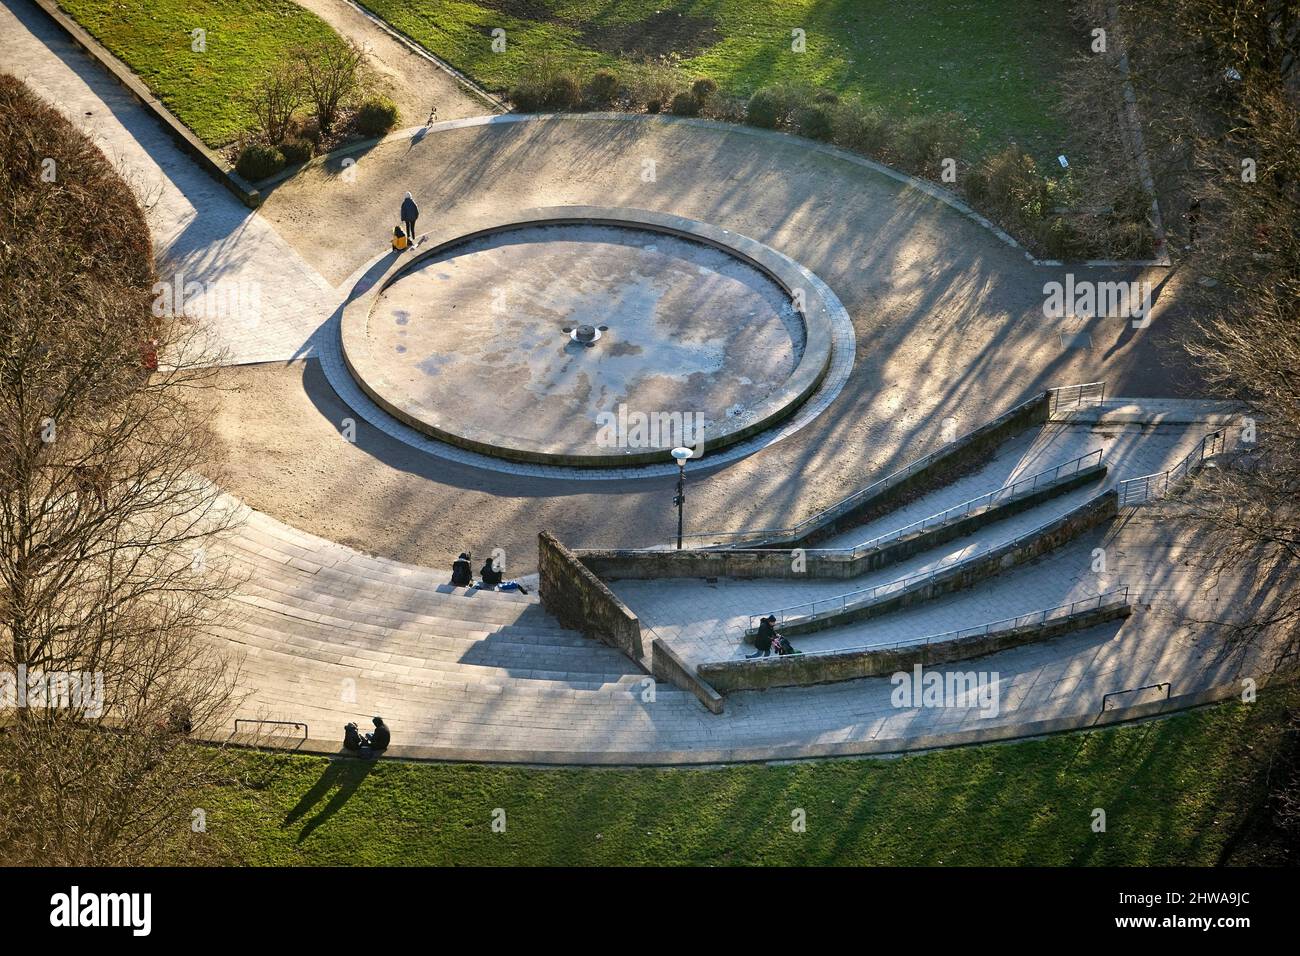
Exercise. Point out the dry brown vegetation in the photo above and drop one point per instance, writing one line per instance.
(1220, 81)
(103, 524)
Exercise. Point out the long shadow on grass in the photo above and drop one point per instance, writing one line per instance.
(343, 777)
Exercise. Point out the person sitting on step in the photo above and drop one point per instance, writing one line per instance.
(490, 575)
(351, 737)
(462, 572)
(490, 579)
(378, 741)
(400, 242)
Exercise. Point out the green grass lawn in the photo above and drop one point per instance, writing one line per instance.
(207, 91)
(995, 62)
(1175, 791)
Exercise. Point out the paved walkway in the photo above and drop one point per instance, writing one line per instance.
(262, 301)
(415, 83)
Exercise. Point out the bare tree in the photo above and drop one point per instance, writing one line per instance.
(276, 98)
(1216, 82)
(333, 72)
(106, 592)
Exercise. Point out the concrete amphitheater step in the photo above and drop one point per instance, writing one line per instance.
(328, 582)
(311, 614)
(372, 613)
(264, 627)
(282, 663)
(278, 543)
(594, 661)
(348, 576)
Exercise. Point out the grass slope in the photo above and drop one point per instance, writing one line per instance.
(207, 91)
(1178, 791)
(996, 62)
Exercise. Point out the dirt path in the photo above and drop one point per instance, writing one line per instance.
(416, 83)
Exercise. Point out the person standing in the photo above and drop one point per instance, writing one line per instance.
(410, 213)
(764, 636)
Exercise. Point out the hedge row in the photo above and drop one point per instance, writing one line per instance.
(1043, 211)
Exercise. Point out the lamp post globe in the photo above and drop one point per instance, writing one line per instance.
(680, 455)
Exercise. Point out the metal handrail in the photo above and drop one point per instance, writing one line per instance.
(306, 733)
(888, 481)
(1140, 490)
(865, 595)
(1133, 690)
(1005, 493)
(1113, 596)
(1066, 397)
(1079, 395)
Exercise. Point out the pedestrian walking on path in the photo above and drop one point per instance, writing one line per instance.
(410, 213)
(764, 637)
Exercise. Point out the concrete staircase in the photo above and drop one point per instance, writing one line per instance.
(707, 620)
(325, 634)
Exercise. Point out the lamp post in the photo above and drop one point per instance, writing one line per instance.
(680, 455)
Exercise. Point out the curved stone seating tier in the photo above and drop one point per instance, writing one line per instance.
(325, 635)
(391, 385)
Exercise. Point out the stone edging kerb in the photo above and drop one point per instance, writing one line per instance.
(208, 160)
(789, 275)
(762, 753)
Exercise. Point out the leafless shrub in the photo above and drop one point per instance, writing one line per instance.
(277, 98)
(334, 72)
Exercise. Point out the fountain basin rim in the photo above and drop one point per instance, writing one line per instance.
(789, 275)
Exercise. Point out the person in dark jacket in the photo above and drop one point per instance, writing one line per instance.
(410, 213)
(378, 741)
(462, 572)
(351, 737)
(766, 634)
(490, 576)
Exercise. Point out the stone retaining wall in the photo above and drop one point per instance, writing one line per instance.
(580, 601)
(613, 565)
(1092, 512)
(666, 665)
(822, 668)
